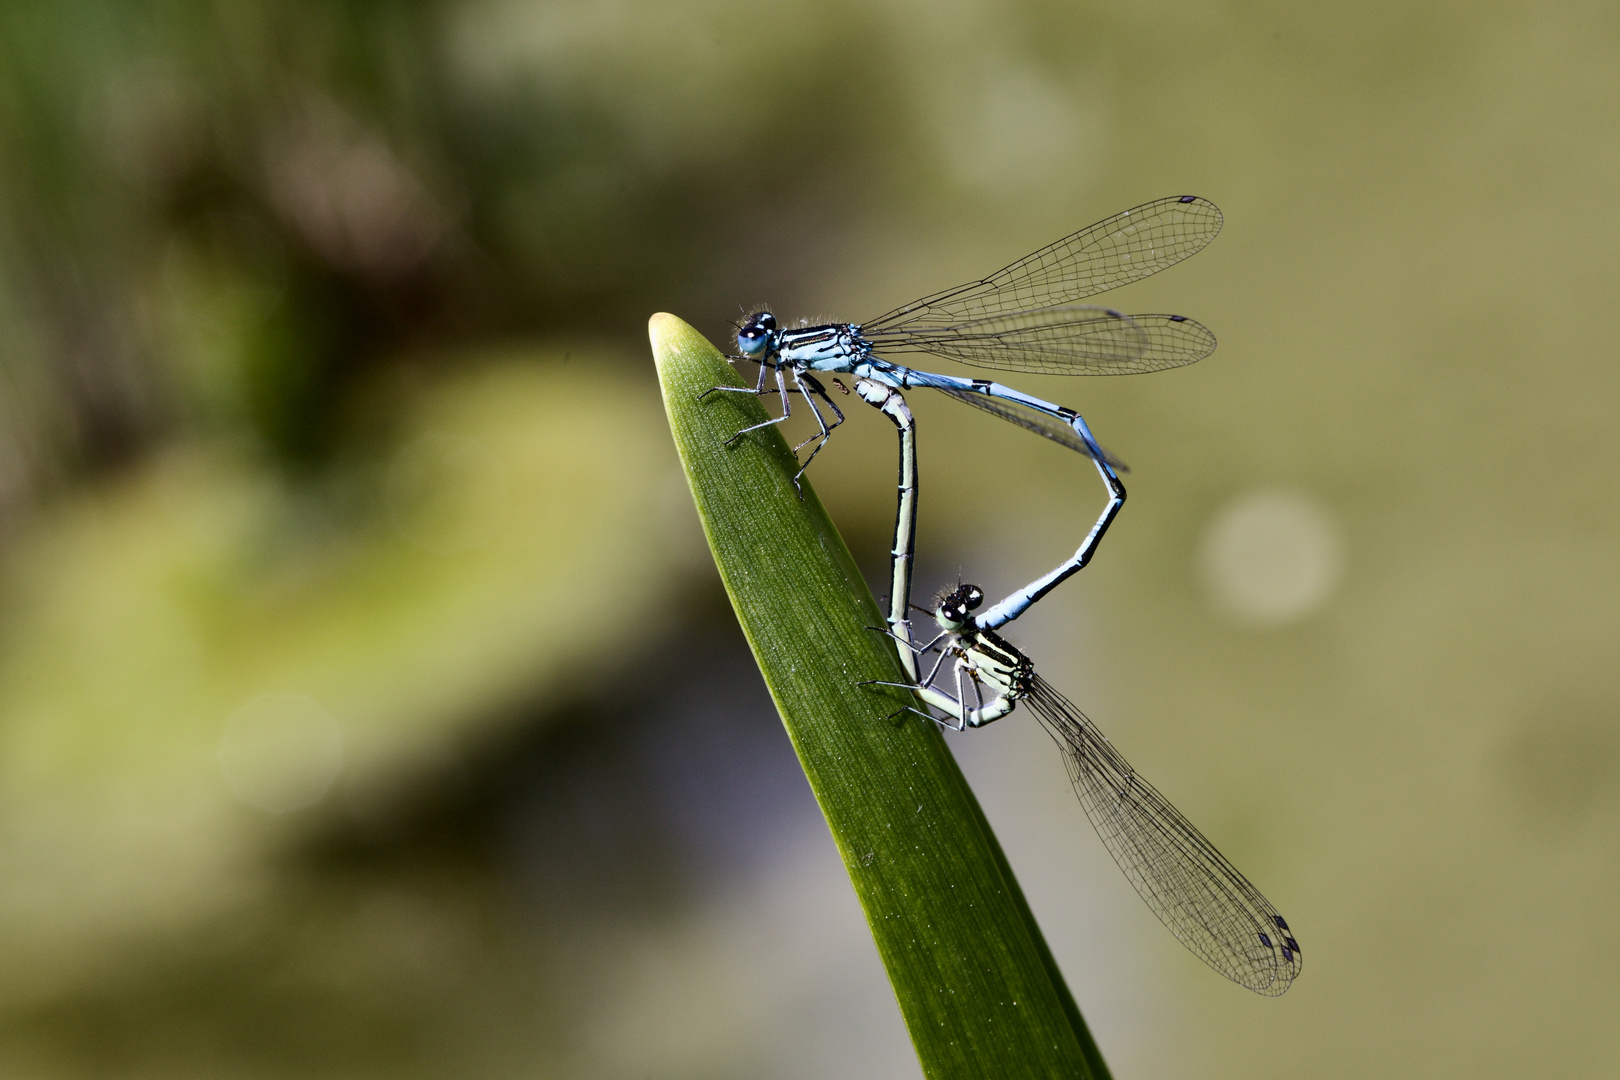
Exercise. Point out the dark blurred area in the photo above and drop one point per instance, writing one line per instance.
(231, 217)
(369, 705)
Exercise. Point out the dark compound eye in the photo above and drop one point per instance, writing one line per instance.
(959, 601)
(954, 606)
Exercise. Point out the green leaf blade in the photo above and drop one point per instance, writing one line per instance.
(975, 982)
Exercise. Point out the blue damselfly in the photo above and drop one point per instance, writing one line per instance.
(1024, 317)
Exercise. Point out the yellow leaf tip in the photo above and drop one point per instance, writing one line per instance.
(663, 327)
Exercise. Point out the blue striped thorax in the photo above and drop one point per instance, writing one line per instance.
(834, 347)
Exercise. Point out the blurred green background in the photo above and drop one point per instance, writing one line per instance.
(369, 706)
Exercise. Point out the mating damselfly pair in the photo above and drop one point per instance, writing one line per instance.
(1029, 317)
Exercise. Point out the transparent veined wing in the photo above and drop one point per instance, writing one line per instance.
(1077, 339)
(1127, 247)
(1201, 897)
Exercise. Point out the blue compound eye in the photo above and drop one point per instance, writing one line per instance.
(754, 336)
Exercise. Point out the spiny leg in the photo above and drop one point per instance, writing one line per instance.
(933, 672)
(978, 691)
(815, 387)
(816, 390)
(782, 390)
(958, 707)
(902, 710)
(927, 693)
(939, 699)
(758, 389)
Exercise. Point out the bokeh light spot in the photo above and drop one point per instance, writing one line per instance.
(280, 752)
(1270, 558)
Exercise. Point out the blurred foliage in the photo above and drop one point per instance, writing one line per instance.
(324, 409)
(416, 601)
(227, 215)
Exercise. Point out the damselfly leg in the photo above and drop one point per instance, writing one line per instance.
(1194, 890)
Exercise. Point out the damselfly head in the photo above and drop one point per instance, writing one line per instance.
(957, 606)
(756, 334)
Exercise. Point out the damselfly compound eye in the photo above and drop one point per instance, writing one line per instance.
(954, 606)
(754, 338)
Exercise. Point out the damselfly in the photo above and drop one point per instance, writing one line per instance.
(1024, 317)
(1201, 897)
